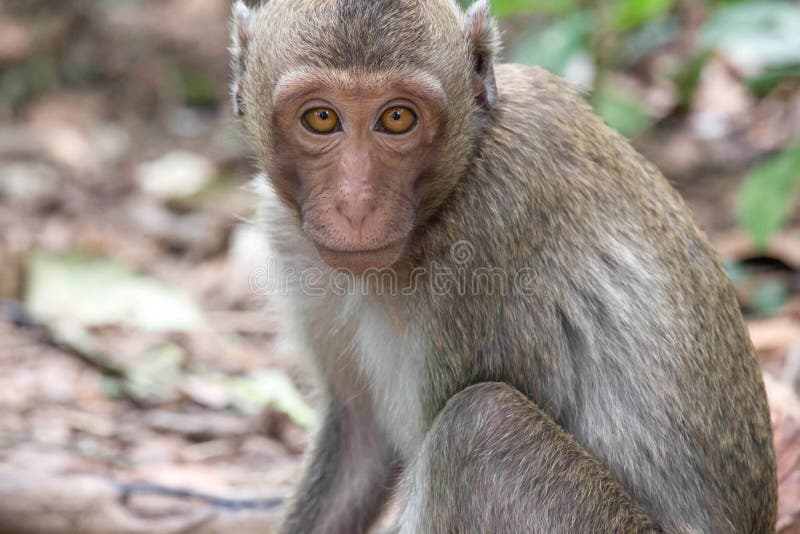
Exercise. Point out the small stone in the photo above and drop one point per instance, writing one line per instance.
(176, 175)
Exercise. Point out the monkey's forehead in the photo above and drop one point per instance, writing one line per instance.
(367, 34)
(295, 83)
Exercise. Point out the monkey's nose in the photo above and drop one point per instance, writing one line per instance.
(356, 211)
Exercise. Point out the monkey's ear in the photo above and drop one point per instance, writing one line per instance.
(240, 39)
(484, 42)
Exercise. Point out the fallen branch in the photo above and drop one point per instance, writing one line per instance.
(127, 491)
(67, 504)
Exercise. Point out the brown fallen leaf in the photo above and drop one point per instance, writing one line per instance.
(15, 41)
(785, 414)
(774, 334)
(200, 426)
(737, 244)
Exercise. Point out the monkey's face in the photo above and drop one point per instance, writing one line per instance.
(354, 154)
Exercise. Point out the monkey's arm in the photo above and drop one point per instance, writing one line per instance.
(494, 462)
(348, 476)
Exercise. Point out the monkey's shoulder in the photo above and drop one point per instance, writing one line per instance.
(539, 113)
(538, 90)
(515, 79)
(548, 129)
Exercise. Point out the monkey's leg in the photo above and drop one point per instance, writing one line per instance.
(494, 462)
(348, 477)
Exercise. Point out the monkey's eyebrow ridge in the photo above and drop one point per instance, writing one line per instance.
(298, 83)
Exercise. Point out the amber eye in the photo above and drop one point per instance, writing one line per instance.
(398, 120)
(322, 120)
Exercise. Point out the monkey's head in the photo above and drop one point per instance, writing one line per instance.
(364, 113)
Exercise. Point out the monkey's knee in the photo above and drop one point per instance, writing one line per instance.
(482, 408)
(464, 474)
(494, 462)
(481, 419)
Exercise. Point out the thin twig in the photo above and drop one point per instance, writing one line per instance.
(127, 491)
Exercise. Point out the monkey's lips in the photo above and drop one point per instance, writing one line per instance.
(358, 261)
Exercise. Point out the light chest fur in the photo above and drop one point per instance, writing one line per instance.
(365, 340)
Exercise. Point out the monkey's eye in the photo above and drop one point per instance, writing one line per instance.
(398, 120)
(321, 120)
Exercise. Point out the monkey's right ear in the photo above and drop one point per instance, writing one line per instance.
(484, 42)
(240, 39)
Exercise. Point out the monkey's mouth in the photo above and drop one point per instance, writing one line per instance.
(358, 261)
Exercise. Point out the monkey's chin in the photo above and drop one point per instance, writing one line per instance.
(360, 261)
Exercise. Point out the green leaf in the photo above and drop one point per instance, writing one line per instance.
(629, 14)
(649, 38)
(98, 292)
(271, 388)
(198, 89)
(621, 112)
(505, 8)
(687, 78)
(769, 195)
(755, 35)
(768, 80)
(554, 47)
(159, 375)
(735, 272)
(769, 297)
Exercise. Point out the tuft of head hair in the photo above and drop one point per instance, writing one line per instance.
(350, 42)
(240, 38)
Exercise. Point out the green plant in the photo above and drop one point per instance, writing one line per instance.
(769, 195)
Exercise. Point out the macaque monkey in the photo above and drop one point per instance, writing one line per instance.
(513, 316)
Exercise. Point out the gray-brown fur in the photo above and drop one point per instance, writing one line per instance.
(632, 339)
(352, 471)
(492, 462)
(630, 389)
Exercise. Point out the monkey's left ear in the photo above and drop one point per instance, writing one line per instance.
(240, 39)
(484, 42)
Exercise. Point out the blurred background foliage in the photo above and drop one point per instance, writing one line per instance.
(588, 42)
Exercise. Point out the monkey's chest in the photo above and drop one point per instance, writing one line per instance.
(390, 353)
